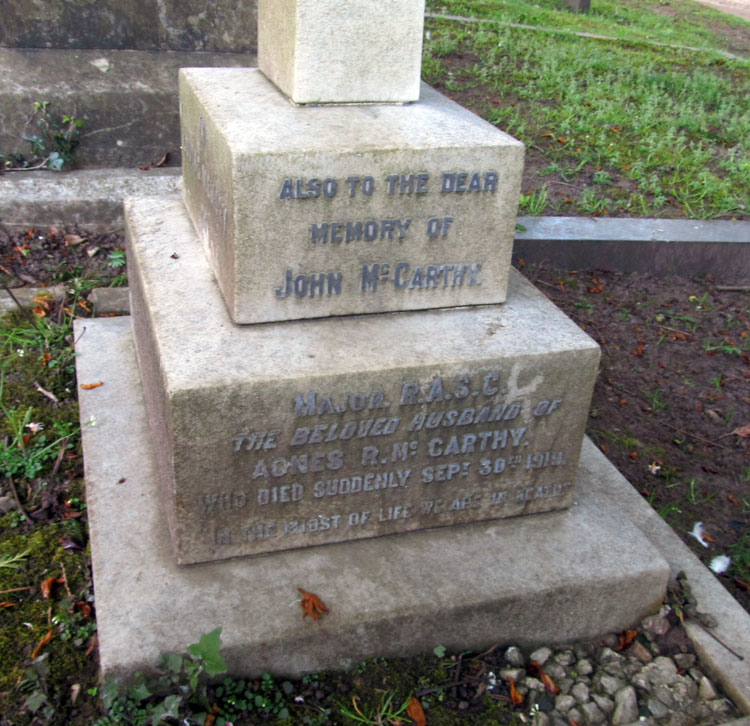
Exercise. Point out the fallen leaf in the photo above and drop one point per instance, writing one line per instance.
(311, 605)
(68, 543)
(626, 640)
(46, 639)
(53, 231)
(73, 239)
(639, 349)
(84, 608)
(46, 586)
(743, 431)
(596, 287)
(7, 604)
(75, 690)
(561, 139)
(163, 160)
(89, 386)
(84, 305)
(734, 500)
(549, 684)
(415, 712)
(515, 697)
(92, 644)
(742, 584)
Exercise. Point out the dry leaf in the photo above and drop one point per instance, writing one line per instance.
(311, 605)
(743, 431)
(7, 604)
(84, 608)
(515, 697)
(46, 639)
(549, 684)
(626, 640)
(415, 712)
(92, 644)
(734, 500)
(68, 543)
(89, 386)
(46, 586)
(73, 239)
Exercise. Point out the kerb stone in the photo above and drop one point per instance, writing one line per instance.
(324, 51)
(561, 576)
(309, 212)
(272, 437)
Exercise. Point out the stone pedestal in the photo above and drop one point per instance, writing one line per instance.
(562, 576)
(282, 436)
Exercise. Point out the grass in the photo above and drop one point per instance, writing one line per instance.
(669, 124)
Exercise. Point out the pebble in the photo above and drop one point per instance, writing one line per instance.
(598, 686)
(655, 625)
(7, 504)
(541, 655)
(514, 656)
(626, 706)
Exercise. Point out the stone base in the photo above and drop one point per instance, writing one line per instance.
(551, 578)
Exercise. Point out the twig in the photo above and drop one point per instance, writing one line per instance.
(63, 444)
(15, 589)
(65, 580)
(44, 392)
(456, 676)
(487, 652)
(25, 311)
(695, 436)
(675, 330)
(733, 288)
(716, 638)
(18, 501)
(40, 165)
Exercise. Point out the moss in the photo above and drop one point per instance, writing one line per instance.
(25, 624)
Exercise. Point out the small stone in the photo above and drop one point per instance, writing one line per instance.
(706, 689)
(626, 706)
(656, 707)
(463, 705)
(515, 673)
(558, 721)
(514, 656)
(542, 719)
(575, 715)
(580, 692)
(610, 640)
(655, 624)
(684, 660)
(606, 704)
(665, 696)
(610, 684)
(640, 681)
(641, 652)
(545, 703)
(564, 657)
(719, 705)
(541, 655)
(701, 711)
(7, 504)
(609, 656)
(584, 667)
(661, 671)
(565, 684)
(696, 674)
(564, 703)
(555, 671)
(533, 684)
(592, 713)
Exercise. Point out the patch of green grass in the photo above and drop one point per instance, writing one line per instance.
(672, 122)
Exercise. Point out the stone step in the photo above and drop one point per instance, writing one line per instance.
(126, 98)
(222, 25)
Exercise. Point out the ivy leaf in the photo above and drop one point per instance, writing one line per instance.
(208, 649)
(168, 708)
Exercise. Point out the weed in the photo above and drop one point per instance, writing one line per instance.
(655, 400)
(54, 144)
(381, 714)
(13, 561)
(116, 258)
(535, 202)
(692, 495)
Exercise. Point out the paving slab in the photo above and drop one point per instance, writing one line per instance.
(550, 578)
(687, 247)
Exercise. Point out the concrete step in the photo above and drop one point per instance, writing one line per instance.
(221, 25)
(126, 98)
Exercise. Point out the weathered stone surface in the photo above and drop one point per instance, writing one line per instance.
(311, 432)
(127, 100)
(477, 575)
(221, 25)
(110, 300)
(540, 655)
(318, 51)
(333, 210)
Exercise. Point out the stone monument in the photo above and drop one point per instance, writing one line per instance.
(333, 350)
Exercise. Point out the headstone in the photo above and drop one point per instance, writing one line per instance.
(461, 399)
